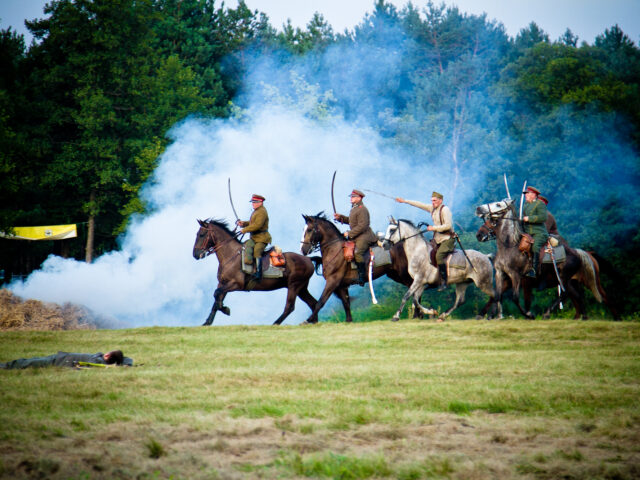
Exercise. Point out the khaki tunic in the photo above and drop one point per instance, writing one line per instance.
(442, 229)
(258, 226)
(360, 230)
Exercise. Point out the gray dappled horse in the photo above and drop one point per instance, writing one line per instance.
(418, 252)
(580, 267)
(214, 236)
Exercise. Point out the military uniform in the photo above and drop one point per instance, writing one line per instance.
(536, 213)
(60, 359)
(360, 231)
(442, 219)
(259, 237)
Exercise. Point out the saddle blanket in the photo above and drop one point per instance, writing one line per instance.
(457, 260)
(381, 257)
(558, 252)
(269, 272)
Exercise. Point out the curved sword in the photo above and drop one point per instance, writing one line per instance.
(333, 201)
(231, 199)
(506, 185)
(522, 198)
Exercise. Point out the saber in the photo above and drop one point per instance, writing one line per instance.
(333, 201)
(506, 185)
(522, 198)
(465, 253)
(231, 199)
(374, 300)
(555, 268)
(378, 193)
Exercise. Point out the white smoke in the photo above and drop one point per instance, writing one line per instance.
(279, 153)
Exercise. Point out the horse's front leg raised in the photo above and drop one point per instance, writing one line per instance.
(218, 297)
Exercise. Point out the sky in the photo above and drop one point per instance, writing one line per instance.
(585, 18)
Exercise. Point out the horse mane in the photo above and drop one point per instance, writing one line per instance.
(218, 222)
(407, 221)
(321, 216)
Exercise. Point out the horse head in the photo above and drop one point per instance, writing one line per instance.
(493, 213)
(314, 232)
(207, 240)
(494, 209)
(399, 230)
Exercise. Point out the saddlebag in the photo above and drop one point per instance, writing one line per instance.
(348, 250)
(526, 243)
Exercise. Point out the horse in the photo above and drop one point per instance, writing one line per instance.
(320, 233)
(214, 236)
(579, 268)
(477, 269)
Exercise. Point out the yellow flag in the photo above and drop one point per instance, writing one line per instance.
(49, 232)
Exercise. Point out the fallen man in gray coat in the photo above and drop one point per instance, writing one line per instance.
(66, 359)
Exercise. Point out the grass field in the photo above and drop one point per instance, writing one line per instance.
(460, 400)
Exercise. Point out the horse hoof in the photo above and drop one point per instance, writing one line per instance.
(226, 310)
(479, 317)
(395, 319)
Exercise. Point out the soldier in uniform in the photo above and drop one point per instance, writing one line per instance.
(442, 229)
(552, 226)
(66, 359)
(360, 232)
(534, 217)
(258, 229)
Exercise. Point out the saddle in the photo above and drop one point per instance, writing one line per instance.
(434, 250)
(381, 257)
(273, 262)
(348, 250)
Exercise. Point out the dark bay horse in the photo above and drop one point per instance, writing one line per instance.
(579, 268)
(321, 233)
(214, 236)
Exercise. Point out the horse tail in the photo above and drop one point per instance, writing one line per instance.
(589, 274)
(317, 263)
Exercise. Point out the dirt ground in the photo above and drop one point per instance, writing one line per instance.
(17, 313)
(473, 447)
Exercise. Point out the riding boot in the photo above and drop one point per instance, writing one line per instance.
(362, 278)
(443, 277)
(533, 273)
(258, 275)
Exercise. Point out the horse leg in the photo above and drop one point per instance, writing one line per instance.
(500, 288)
(329, 288)
(417, 282)
(515, 297)
(461, 289)
(343, 295)
(289, 306)
(486, 286)
(218, 297)
(307, 298)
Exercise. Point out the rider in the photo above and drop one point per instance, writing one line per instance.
(442, 229)
(360, 231)
(534, 218)
(258, 228)
(552, 226)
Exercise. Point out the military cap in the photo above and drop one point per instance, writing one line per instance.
(255, 198)
(532, 190)
(544, 199)
(437, 195)
(356, 193)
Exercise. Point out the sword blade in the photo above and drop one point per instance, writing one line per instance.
(378, 193)
(506, 185)
(231, 199)
(522, 198)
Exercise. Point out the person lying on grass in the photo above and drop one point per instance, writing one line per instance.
(66, 359)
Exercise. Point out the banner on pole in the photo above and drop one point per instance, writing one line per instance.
(49, 232)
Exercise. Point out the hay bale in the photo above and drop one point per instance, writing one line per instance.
(19, 314)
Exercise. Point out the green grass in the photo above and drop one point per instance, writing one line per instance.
(461, 399)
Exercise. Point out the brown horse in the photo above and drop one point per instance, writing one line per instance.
(214, 236)
(579, 268)
(321, 233)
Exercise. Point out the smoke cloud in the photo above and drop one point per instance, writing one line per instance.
(285, 145)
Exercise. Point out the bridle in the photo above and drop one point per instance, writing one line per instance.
(210, 239)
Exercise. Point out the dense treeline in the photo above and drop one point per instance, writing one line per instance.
(84, 109)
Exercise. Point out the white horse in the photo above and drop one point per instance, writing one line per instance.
(424, 274)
